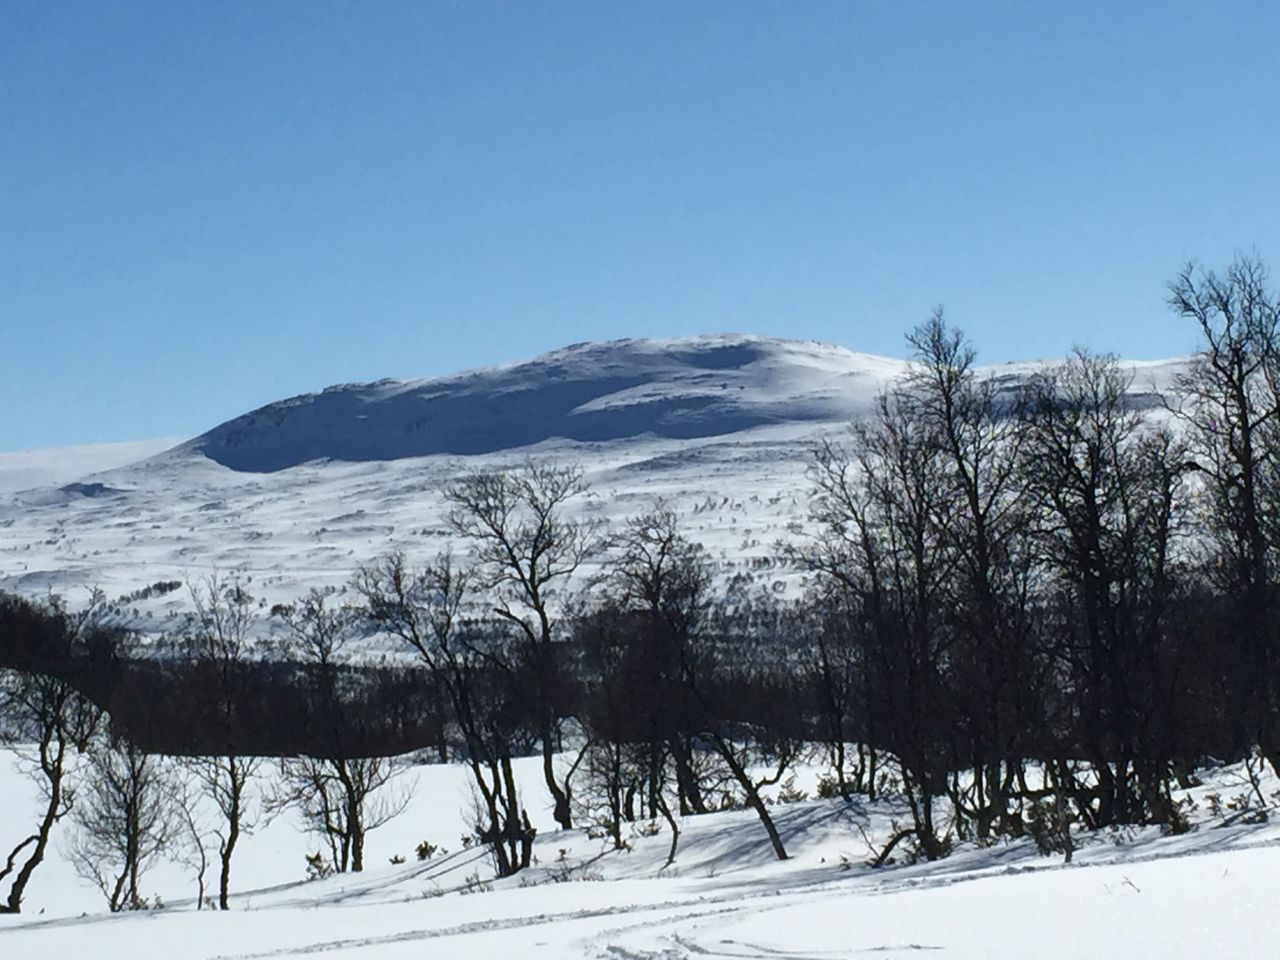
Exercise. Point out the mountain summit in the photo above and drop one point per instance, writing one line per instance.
(679, 389)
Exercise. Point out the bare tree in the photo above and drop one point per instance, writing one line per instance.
(219, 641)
(1109, 494)
(845, 552)
(47, 719)
(664, 580)
(984, 499)
(664, 683)
(527, 550)
(883, 535)
(1232, 415)
(424, 609)
(341, 797)
(127, 817)
(195, 849)
(833, 665)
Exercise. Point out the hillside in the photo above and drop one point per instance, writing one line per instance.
(590, 393)
(301, 491)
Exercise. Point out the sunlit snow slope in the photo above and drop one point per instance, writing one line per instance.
(680, 390)
(299, 492)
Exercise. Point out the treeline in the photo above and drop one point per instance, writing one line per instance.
(1026, 609)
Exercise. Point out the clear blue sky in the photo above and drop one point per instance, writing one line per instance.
(208, 206)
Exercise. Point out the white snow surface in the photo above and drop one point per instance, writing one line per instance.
(1211, 892)
(299, 493)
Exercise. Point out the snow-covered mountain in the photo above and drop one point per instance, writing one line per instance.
(299, 492)
(590, 393)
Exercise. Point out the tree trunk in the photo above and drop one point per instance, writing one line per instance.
(228, 848)
(753, 797)
(563, 814)
(52, 811)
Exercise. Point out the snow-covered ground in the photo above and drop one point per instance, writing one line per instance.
(298, 494)
(301, 492)
(1211, 892)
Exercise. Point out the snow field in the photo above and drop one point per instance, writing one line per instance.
(1209, 892)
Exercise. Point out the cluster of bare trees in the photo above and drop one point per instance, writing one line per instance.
(130, 807)
(123, 803)
(1062, 576)
(1046, 602)
(633, 685)
(52, 721)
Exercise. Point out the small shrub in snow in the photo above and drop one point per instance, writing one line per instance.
(647, 828)
(828, 788)
(318, 866)
(1123, 835)
(1179, 818)
(473, 884)
(1047, 828)
(426, 850)
(790, 793)
(565, 872)
(1240, 803)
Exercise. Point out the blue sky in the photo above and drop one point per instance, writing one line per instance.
(209, 206)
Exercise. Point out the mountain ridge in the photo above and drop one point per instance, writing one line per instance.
(686, 388)
(678, 389)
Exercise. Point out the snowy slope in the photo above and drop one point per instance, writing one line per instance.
(300, 492)
(684, 389)
(1208, 893)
